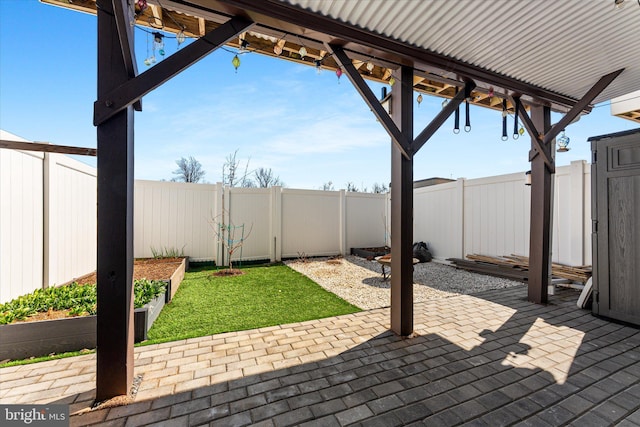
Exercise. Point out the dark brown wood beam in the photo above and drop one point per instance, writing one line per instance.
(577, 109)
(133, 89)
(536, 136)
(48, 148)
(114, 367)
(441, 117)
(409, 54)
(125, 34)
(402, 208)
(361, 86)
(541, 215)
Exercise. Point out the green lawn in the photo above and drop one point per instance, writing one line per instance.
(263, 296)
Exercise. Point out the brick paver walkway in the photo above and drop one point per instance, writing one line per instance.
(489, 359)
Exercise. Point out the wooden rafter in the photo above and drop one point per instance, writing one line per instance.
(47, 148)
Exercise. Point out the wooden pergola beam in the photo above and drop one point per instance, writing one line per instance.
(402, 207)
(536, 136)
(575, 111)
(114, 273)
(47, 148)
(125, 35)
(132, 90)
(542, 170)
(361, 86)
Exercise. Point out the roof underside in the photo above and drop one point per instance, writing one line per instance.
(549, 51)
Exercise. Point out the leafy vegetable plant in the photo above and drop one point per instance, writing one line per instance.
(78, 299)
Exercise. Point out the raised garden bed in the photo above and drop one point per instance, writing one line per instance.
(26, 339)
(371, 253)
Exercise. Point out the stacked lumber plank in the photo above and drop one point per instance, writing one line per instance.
(517, 267)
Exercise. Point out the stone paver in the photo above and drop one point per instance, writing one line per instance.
(485, 359)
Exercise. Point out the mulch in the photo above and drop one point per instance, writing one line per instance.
(147, 268)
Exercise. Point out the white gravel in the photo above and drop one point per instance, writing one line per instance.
(360, 282)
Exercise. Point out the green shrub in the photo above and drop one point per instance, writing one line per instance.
(78, 299)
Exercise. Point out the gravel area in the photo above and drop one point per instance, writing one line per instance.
(360, 282)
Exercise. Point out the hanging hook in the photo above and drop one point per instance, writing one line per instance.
(504, 120)
(456, 118)
(516, 135)
(467, 123)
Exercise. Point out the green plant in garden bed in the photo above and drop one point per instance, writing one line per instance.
(167, 252)
(262, 296)
(78, 299)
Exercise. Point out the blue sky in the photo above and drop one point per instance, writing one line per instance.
(308, 128)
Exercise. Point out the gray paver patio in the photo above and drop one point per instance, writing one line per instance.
(486, 359)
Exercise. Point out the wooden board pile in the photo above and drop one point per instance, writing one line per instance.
(516, 267)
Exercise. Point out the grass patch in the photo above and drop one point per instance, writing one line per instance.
(206, 305)
(263, 296)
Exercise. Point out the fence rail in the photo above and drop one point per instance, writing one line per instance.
(48, 219)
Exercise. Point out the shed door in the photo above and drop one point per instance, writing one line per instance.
(616, 211)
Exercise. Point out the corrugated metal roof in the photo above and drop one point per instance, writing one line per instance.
(563, 46)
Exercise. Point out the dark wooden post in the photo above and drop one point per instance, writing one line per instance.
(402, 208)
(115, 221)
(541, 214)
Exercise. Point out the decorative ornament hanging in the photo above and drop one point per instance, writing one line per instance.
(142, 5)
(370, 67)
(392, 81)
(563, 141)
(158, 43)
(318, 63)
(150, 59)
(456, 118)
(339, 74)
(504, 120)
(491, 93)
(236, 62)
(277, 49)
(180, 38)
(419, 99)
(521, 130)
(445, 102)
(302, 52)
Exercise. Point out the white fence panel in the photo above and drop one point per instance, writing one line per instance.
(366, 220)
(587, 216)
(310, 222)
(251, 208)
(172, 215)
(437, 218)
(21, 223)
(561, 234)
(496, 215)
(70, 219)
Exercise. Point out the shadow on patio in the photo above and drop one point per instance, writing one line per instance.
(486, 359)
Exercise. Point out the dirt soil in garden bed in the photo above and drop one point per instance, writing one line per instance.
(151, 269)
(148, 268)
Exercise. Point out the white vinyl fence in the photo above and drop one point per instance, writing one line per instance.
(491, 216)
(274, 222)
(48, 219)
